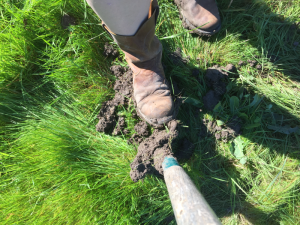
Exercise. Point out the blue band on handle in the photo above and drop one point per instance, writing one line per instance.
(168, 162)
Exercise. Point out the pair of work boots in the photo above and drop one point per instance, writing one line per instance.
(143, 52)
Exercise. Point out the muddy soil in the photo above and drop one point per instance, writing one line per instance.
(142, 131)
(153, 148)
(107, 117)
(152, 151)
(176, 57)
(123, 92)
(67, 20)
(216, 80)
(110, 51)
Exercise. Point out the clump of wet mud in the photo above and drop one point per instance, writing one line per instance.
(142, 131)
(120, 128)
(177, 58)
(107, 117)
(123, 92)
(152, 151)
(67, 21)
(110, 51)
(216, 79)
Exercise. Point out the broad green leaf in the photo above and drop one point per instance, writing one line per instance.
(250, 126)
(257, 120)
(268, 108)
(243, 160)
(243, 116)
(220, 123)
(194, 102)
(237, 148)
(229, 87)
(255, 102)
(218, 107)
(234, 104)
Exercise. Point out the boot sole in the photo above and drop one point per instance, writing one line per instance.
(156, 123)
(199, 31)
(190, 26)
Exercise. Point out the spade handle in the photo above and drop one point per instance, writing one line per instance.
(189, 206)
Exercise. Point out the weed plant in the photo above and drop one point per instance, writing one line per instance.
(56, 169)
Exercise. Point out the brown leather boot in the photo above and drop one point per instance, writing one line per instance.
(196, 13)
(143, 53)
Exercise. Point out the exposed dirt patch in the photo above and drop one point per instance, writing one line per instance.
(120, 128)
(142, 129)
(216, 79)
(210, 100)
(152, 151)
(67, 20)
(176, 57)
(110, 51)
(154, 148)
(107, 117)
(241, 63)
(123, 92)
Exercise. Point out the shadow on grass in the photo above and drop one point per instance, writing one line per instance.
(227, 198)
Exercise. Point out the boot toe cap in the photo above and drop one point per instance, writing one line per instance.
(157, 109)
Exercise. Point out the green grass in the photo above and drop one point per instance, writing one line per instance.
(56, 169)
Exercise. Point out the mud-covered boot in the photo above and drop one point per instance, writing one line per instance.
(200, 13)
(143, 53)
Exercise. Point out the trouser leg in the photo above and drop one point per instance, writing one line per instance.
(132, 25)
(122, 17)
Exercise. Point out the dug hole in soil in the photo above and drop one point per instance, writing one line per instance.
(154, 148)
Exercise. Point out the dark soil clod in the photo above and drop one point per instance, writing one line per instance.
(176, 57)
(231, 68)
(152, 151)
(135, 139)
(210, 100)
(215, 79)
(258, 67)
(241, 63)
(110, 51)
(107, 117)
(67, 20)
(142, 129)
(252, 63)
(123, 92)
(120, 126)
